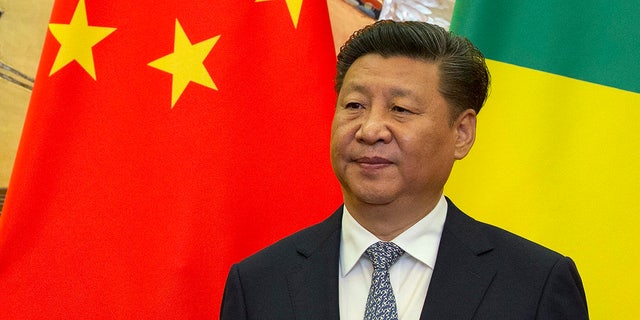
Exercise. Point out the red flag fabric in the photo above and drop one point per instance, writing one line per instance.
(164, 141)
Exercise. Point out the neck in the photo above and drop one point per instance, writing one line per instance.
(387, 221)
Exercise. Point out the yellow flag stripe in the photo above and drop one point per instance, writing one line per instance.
(557, 160)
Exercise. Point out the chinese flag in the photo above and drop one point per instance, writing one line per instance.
(165, 140)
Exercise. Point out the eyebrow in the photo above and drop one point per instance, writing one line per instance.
(395, 92)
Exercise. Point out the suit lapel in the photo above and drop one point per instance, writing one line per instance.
(460, 279)
(461, 275)
(313, 285)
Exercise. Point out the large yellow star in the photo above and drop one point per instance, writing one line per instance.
(186, 63)
(295, 6)
(77, 40)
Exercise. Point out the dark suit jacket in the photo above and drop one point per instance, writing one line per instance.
(481, 272)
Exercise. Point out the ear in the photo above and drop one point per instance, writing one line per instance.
(465, 130)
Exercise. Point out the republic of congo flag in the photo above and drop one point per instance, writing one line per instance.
(164, 141)
(557, 158)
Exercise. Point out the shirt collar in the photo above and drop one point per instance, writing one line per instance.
(421, 240)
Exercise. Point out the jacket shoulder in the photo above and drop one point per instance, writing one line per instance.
(294, 247)
(481, 237)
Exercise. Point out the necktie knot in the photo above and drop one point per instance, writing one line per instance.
(383, 254)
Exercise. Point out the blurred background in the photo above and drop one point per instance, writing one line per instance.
(23, 26)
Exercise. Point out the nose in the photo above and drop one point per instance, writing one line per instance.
(374, 128)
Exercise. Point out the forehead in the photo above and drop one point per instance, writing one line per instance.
(395, 74)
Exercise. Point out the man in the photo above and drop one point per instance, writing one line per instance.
(408, 96)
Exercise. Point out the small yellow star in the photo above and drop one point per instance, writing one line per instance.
(186, 63)
(295, 6)
(77, 40)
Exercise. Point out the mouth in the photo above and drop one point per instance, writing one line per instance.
(373, 162)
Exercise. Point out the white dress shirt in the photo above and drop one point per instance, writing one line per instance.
(410, 275)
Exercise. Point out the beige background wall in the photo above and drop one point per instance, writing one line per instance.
(23, 25)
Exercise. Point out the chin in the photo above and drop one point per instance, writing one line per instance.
(373, 198)
(379, 192)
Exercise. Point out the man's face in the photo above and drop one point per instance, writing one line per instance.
(391, 138)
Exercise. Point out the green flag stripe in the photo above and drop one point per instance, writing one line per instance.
(593, 41)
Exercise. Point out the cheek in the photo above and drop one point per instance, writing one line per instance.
(337, 144)
(341, 134)
(424, 149)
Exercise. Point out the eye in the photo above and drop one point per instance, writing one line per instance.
(400, 109)
(354, 105)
